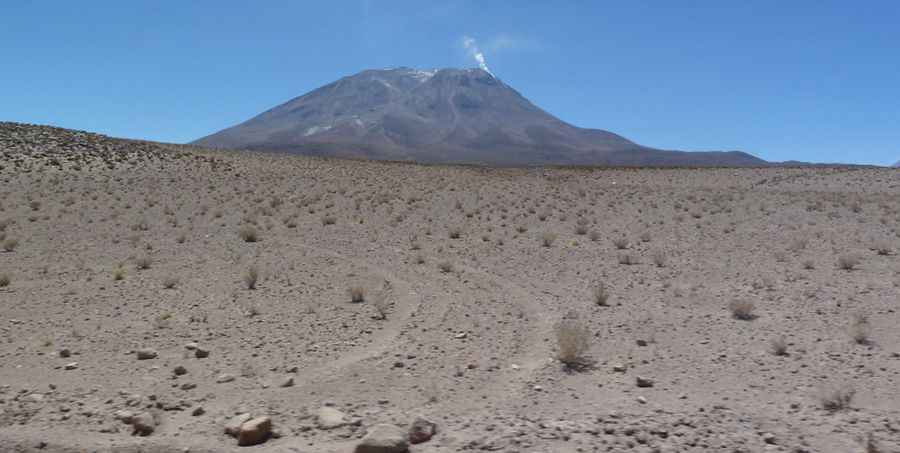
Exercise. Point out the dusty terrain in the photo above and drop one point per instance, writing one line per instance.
(125, 258)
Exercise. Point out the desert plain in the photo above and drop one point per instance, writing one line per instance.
(153, 296)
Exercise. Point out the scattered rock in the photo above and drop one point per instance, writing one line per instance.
(198, 411)
(644, 382)
(225, 377)
(143, 424)
(65, 353)
(233, 425)
(288, 381)
(201, 353)
(383, 438)
(71, 366)
(124, 416)
(255, 431)
(330, 418)
(146, 354)
(421, 430)
(180, 370)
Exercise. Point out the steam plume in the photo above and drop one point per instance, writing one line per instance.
(472, 47)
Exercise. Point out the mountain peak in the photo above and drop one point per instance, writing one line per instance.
(439, 115)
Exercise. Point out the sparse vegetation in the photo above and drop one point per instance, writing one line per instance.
(251, 277)
(601, 296)
(10, 244)
(573, 341)
(860, 329)
(248, 233)
(779, 346)
(143, 262)
(848, 262)
(742, 309)
(357, 294)
(547, 239)
(170, 282)
(836, 398)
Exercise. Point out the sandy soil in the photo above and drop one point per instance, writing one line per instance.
(462, 331)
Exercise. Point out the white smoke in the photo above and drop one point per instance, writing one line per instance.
(471, 46)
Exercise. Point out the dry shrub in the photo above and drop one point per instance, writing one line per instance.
(836, 398)
(547, 239)
(659, 258)
(248, 233)
(573, 339)
(742, 309)
(779, 346)
(357, 294)
(143, 262)
(328, 220)
(454, 232)
(848, 261)
(601, 296)
(445, 266)
(10, 244)
(620, 243)
(627, 259)
(251, 277)
(860, 329)
(5, 280)
(170, 282)
(119, 274)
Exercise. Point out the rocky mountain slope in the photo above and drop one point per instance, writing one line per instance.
(448, 115)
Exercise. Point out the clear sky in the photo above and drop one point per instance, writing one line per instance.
(805, 80)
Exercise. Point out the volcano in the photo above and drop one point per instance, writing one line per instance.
(442, 116)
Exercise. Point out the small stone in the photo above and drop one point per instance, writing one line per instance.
(769, 438)
(288, 381)
(124, 416)
(65, 353)
(461, 335)
(224, 377)
(233, 425)
(179, 370)
(201, 353)
(146, 354)
(421, 430)
(619, 368)
(330, 418)
(143, 424)
(641, 400)
(383, 438)
(198, 411)
(255, 431)
(644, 382)
(71, 366)
(190, 346)
(641, 343)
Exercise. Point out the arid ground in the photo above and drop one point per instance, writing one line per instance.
(151, 293)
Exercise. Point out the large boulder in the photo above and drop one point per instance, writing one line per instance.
(383, 438)
(255, 431)
(330, 418)
(233, 425)
(421, 430)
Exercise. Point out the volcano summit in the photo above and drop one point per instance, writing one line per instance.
(442, 116)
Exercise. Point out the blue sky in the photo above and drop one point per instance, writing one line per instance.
(806, 80)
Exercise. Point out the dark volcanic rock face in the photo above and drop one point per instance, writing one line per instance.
(448, 115)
